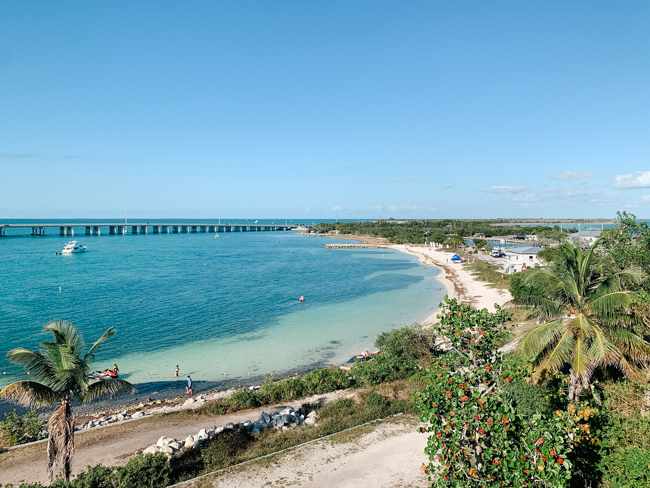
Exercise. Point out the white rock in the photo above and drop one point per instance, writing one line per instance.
(188, 402)
(138, 415)
(175, 445)
(310, 421)
(203, 434)
(162, 441)
(218, 430)
(151, 450)
(312, 415)
(166, 450)
(189, 441)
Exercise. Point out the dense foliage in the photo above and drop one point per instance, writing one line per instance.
(21, 429)
(419, 231)
(488, 425)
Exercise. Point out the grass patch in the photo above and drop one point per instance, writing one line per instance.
(235, 447)
(488, 273)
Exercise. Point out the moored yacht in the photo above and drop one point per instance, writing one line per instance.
(73, 247)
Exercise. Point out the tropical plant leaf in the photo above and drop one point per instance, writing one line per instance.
(36, 363)
(611, 302)
(94, 349)
(108, 387)
(557, 355)
(535, 340)
(30, 394)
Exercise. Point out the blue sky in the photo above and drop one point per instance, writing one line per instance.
(358, 109)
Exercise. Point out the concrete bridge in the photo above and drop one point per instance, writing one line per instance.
(95, 229)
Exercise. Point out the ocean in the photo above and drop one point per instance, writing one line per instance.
(224, 310)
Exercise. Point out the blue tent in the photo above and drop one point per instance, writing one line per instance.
(456, 257)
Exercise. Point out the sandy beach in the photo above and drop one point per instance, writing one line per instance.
(460, 283)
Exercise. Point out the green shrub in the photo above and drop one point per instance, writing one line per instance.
(518, 289)
(626, 452)
(242, 399)
(21, 429)
(375, 400)
(411, 342)
(382, 369)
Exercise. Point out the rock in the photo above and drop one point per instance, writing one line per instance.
(197, 443)
(229, 426)
(138, 415)
(248, 425)
(218, 430)
(188, 402)
(256, 430)
(264, 418)
(210, 432)
(119, 417)
(189, 442)
(286, 411)
(151, 450)
(162, 441)
(312, 415)
(166, 450)
(203, 434)
(310, 421)
(175, 445)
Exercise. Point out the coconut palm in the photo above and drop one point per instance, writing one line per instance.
(586, 319)
(60, 371)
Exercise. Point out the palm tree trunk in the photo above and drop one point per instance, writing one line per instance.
(574, 386)
(60, 445)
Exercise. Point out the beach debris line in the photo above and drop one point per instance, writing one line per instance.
(353, 246)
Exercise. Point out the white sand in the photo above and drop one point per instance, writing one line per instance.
(459, 282)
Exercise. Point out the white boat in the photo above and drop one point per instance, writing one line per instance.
(73, 247)
(216, 235)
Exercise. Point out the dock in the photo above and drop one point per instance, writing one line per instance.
(95, 229)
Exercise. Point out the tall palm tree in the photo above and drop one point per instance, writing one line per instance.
(587, 319)
(60, 370)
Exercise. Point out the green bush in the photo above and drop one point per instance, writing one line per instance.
(625, 445)
(21, 429)
(375, 400)
(518, 289)
(243, 399)
(382, 369)
(411, 342)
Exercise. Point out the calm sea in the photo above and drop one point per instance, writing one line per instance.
(225, 310)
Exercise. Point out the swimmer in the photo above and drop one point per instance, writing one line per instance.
(301, 299)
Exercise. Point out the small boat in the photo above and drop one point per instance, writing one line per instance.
(360, 357)
(216, 235)
(73, 247)
(107, 374)
(256, 221)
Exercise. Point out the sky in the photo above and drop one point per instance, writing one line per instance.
(319, 109)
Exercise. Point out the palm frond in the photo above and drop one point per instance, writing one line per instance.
(34, 362)
(630, 344)
(557, 355)
(582, 363)
(601, 349)
(535, 340)
(108, 387)
(537, 307)
(609, 303)
(94, 349)
(66, 334)
(30, 394)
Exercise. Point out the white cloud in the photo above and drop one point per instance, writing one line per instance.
(638, 179)
(448, 185)
(505, 189)
(573, 175)
(338, 208)
(588, 196)
(645, 198)
(402, 180)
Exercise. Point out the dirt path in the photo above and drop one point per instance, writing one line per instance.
(115, 444)
(385, 454)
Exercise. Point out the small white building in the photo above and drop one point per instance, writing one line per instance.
(588, 236)
(520, 259)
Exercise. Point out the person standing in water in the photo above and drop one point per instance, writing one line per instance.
(188, 388)
(116, 370)
(176, 371)
(301, 299)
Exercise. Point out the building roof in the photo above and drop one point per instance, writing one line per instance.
(523, 250)
(587, 233)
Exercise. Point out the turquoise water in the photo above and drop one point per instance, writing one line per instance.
(212, 306)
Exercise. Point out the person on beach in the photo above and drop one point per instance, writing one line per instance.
(366, 354)
(188, 388)
(176, 371)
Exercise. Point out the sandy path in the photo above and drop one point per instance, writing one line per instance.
(385, 454)
(459, 282)
(115, 444)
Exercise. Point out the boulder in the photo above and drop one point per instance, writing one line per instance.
(229, 426)
(256, 430)
(264, 418)
(175, 445)
(151, 450)
(162, 441)
(248, 425)
(286, 411)
(312, 415)
(218, 430)
(203, 434)
(138, 415)
(119, 417)
(166, 450)
(310, 421)
(189, 442)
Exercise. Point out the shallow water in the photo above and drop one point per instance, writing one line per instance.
(219, 308)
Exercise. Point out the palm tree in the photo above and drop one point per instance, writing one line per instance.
(61, 370)
(586, 319)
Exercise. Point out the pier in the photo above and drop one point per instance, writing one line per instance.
(94, 229)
